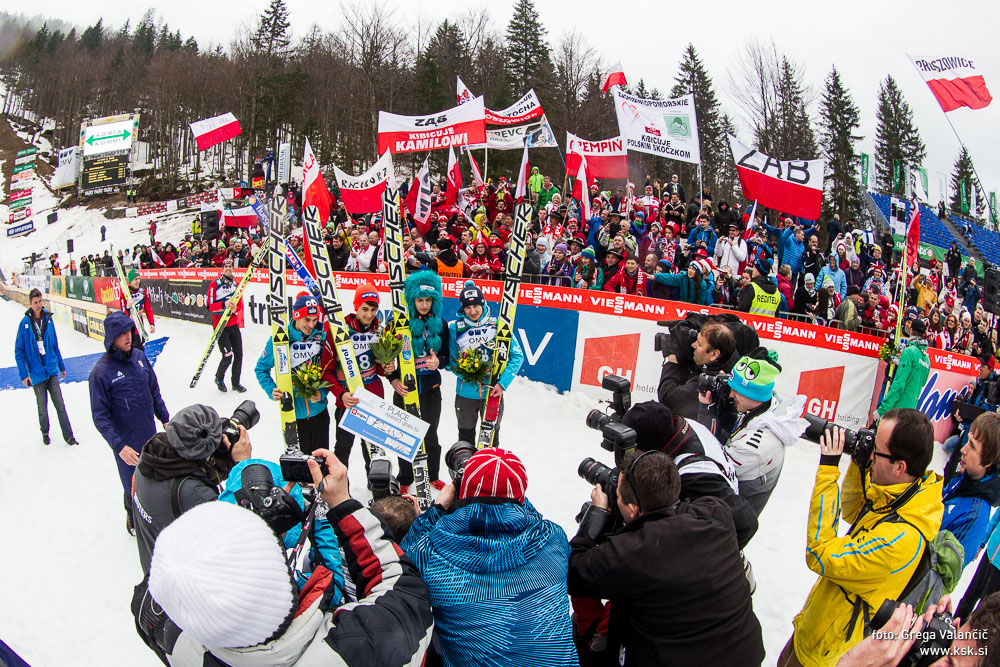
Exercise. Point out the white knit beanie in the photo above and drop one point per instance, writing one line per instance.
(220, 574)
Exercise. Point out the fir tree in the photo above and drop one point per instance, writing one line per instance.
(529, 56)
(93, 36)
(964, 172)
(444, 59)
(839, 120)
(272, 38)
(896, 138)
(693, 78)
(789, 134)
(144, 37)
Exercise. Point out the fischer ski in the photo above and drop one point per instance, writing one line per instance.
(278, 310)
(127, 293)
(400, 325)
(505, 319)
(325, 289)
(244, 282)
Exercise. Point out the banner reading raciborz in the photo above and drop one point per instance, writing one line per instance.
(459, 126)
(668, 128)
(792, 186)
(363, 194)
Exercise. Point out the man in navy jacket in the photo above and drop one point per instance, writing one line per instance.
(124, 398)
(40, 365)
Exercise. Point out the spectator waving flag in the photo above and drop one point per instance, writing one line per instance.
(954, 80)
(615, 77)
(418, 199)
(453, 193)
(522, 178)
(580, 189)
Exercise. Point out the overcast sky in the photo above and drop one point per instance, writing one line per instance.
(866, 40)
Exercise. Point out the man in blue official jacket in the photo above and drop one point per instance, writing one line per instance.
(124, 398)
(40, 365)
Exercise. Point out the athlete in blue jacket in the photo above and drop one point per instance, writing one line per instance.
(124, 398)
(40, 365)
(474, 332)
(971, 495)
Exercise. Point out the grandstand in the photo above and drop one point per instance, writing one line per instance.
(932, 230)
(986, 241)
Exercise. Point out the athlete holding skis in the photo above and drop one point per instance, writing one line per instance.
(475, 332)
(137, 296)
(220, 298)
(364, 330)
(430, 351)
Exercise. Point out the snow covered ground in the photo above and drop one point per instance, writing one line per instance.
(68, 566)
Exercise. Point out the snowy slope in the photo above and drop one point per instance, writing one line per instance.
(69, 567)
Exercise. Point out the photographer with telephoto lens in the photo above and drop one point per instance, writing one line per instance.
(185, 466)
(893, 504)
(765, 424)
(708, 351)
(669, 605)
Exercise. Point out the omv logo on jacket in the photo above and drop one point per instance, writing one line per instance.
(609, 355)
(822, 391)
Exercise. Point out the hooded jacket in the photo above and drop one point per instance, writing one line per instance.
(871, 562)
(429, 333)
(910, 378)
(659, 596)
(692, 290)
(758, 447)
(124, 392)
(967, 506)
(497, 579)
(30, 363)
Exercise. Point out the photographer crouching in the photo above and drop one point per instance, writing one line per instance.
(185, 467)
(668, 605)
(894, 506)
(765, 423)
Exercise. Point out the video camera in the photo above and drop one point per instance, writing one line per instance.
(859, 444)
(933, 639)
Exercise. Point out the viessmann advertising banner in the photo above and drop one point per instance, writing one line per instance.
(572, 338)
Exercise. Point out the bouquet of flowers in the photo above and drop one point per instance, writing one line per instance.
(387, 347)
(471, 366)
(889, 353)
(308, 380)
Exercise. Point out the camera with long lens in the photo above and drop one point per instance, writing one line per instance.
(934, 638)
(680, 335)
(717, 385)
(381, 482)
(598, 474)
(259, 494)
(244, 415)
(617, 437)
(456, 458)
(859, 444)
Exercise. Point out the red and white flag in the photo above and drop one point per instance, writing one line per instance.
(453, 190)
(605, 159)
(955, 81)
(464, 94)
(215, 130)
(792, 186)
(363, 194)
(459, 126)
(477, 177)
(581, 191)
(523, 110)
(615, 77)
(418, 199)
(522, 179)
(314, 190)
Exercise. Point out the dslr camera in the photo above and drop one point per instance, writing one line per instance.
(456, 458)
(933, 641)
(859, 444)
(244, 415)
(381, 482)
(259, 494)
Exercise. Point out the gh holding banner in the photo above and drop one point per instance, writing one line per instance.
(667, 128)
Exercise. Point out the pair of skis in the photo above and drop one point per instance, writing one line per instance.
(505, 320)
(127, 293)
(234, 299)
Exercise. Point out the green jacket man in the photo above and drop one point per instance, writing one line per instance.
(911, 376)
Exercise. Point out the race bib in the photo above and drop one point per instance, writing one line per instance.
(304, 351)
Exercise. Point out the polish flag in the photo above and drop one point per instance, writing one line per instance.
(418, 199)
(522, 178)
(477, 177)
(793, 186)
(616, 77)
(580, 190)
(954, 80)
(314, 190)
(215, 130)
(453, 194)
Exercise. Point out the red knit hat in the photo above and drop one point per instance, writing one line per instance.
(365, 292)
(494, 473)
